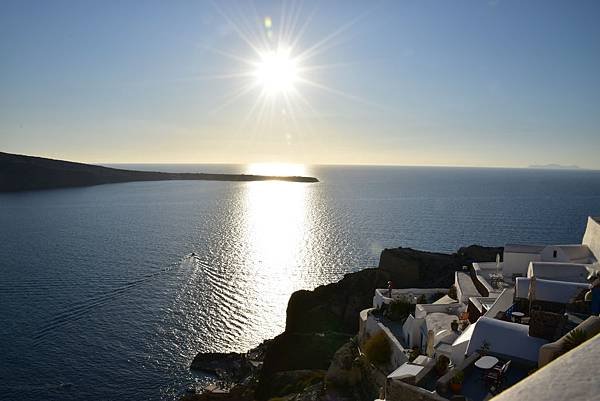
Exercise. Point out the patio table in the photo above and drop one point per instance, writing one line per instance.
(486, 362)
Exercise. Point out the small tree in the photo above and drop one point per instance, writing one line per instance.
(414, 353)
(454, 325)
(485, 348)
(452, 292)
(441, 365)
(458, 377)
(456, 381)
(377, 348)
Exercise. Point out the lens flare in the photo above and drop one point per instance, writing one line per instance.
(268, 22)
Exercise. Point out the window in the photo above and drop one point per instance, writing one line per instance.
(554, 254)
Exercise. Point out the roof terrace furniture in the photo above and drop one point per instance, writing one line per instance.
(496, 279)
(486, 362)
(571, 377)
(517, 316)
(497, 375)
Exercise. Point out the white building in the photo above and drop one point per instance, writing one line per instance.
(517, 257)
(591, 238)
(504, 338)
(572, 272)
(549, 290)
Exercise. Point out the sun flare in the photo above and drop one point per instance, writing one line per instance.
(280, 69)
(277, 71)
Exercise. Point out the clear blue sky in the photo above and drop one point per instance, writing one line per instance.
(474, 83)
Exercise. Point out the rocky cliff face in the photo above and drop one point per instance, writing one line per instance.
(320, 322)
(335, 307)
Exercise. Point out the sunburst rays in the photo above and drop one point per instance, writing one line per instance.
(278, 66)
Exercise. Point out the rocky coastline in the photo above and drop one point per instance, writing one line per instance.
(316, 357)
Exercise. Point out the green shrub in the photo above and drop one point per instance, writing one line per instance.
(485, 348)
(378, 349)
(414, 353)
(458, 377)
(441, 365)
(399, 309)
(452, 292)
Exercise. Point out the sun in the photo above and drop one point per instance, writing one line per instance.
(277, 71)
(278, 68)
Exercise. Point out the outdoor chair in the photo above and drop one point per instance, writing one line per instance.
(496, 376)
(492, 376)
(505, 369)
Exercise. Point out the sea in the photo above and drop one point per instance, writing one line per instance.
(107, 292)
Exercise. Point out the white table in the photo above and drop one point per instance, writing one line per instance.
(486, 362)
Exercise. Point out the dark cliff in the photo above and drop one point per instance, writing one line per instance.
(335, 307)
(318, 321)
(23, 173)
(320, 325)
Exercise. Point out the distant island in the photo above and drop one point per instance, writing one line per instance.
(554, 166)
(25, 173)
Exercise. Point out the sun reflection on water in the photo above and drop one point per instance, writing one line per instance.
(277, 225)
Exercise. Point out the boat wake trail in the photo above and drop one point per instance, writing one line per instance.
(79, 310)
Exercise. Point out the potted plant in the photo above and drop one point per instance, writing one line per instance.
(441, 365)
(454, 325)
(457, 381)
(485, 348)
(414, 353)
(452, 292)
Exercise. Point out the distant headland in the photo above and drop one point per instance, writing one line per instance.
(26, 173)
(554, 166)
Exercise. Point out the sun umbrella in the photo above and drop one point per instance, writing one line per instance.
(531, 293)
(430, 339)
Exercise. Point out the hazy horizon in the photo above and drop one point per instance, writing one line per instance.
(550, 166)
(489, 84)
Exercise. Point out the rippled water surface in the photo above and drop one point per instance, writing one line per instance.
(108, 292)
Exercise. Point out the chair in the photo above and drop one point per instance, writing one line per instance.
(492, 376)
(496, 376)
(505, 369)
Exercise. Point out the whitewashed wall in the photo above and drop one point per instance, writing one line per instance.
(591, 238)
(517, 263)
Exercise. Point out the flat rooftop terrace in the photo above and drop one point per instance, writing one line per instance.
(476, 389)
